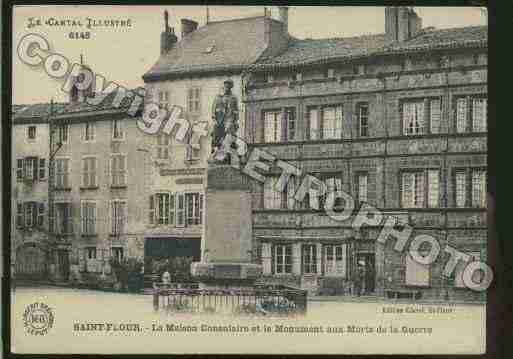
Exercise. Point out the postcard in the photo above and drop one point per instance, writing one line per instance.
(235, 179)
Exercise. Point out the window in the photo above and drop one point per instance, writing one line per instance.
(62, 173)
(461, 188)
(479, 188)
(272, 198)
(470, 188)
(89, 172)
(30, 214)
(435, 115)
(473, 108)
(416, 274)
(63, 131)
(162, 205)
(118, 217)
(479, 116)
(88, 218)
(335, 259)
(180, 210)
(194, 208)
(118, 170)
(269, 78)
(299, 76)
(433, 188)
(30, 167)
(413, 118)
(282, 258)
(193, 100)
(325, 122)
(363, 120)
(362, 184)
(290, 124)
(31, 133)
(19, 214)
(309, 258)
(117, 253)
(89, 131)
(41, 214)
(415, 189)
(63, 219)
(91, 252)
(19, 169)
(42, 169)
(164, 99)
(163, 146)
(117, 130)
(330, 73)
(272, 126)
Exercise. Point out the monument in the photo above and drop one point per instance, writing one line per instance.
(227, 239)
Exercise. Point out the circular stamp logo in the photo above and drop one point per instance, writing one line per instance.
(38, 318)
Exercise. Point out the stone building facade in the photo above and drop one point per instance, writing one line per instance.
(399, 121)
(190, 73)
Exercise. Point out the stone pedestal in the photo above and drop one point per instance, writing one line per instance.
(226, 242)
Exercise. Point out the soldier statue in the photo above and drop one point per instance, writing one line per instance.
(225, 113)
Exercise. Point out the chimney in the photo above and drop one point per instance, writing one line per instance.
(82, 85)
(188, 26)
(167, 37)
(284, 17)
(401, 23)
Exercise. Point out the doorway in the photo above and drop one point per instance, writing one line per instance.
(367, 261)
(63, 264)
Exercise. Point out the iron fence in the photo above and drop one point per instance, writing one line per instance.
(260, 300)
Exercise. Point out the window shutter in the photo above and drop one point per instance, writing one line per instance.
(19, 169)
(151, 212)
(461, 115)
(407, 189)
(283, 118)
(180, 210)
(172, 206)
(339, 121)
(42, 169)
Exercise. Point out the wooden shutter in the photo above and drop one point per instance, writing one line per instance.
(151, 211)
(180, 210)
(42, 169)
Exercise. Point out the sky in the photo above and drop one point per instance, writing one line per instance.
(124, 54)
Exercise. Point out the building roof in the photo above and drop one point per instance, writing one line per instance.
(311, 51)
(40, 111)
(234, 44)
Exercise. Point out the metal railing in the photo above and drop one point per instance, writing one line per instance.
(272, 300)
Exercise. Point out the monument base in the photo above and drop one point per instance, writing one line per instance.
(224, 275)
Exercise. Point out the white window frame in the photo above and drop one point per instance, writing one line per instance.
(89, 220)
(90, 173)
(309, 251)
(361, 123)
(479, 188)
(413, 117)
(64, 173)
(335, 263)
(466, 109)
(180, 211)
(412, 189)
(197, 208)
(433, 188)
(363, 187)
(460, 188)
(121, 127)
(42, 169)
(335, 130)
(162, 201)
(479, 124)
(273, 126)
(118, 172)
(114, 217)
(435, 115)
(282, 252)
(89, 134)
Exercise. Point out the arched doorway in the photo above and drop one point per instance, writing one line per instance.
(31, 262)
